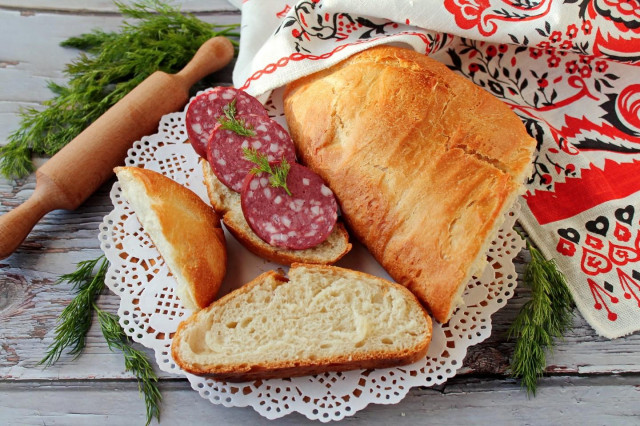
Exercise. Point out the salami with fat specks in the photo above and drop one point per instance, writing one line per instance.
(203, 112)
(298, 221)
(225, 148)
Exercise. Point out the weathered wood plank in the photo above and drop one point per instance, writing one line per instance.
(561, 400)
(581, 350)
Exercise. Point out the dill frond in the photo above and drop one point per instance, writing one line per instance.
(74, 323)
(544, 318)
(228, 121)
(135, 361)
(75, 320)
(277, 173)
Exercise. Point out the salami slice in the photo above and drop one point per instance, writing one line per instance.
(203, 112)
(225, 149)
(298, 221)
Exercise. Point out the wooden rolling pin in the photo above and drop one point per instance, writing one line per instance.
(74, 173)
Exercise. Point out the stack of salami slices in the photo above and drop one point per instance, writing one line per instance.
(298, 219)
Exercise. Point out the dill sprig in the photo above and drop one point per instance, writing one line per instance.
(74, 323)
(134, 360)
(230, 122)
(547, 316)
(160, 37)
(277, 173)
(75, 320)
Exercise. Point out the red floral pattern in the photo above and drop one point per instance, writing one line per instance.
(483, 14)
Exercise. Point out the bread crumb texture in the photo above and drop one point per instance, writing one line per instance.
(321, 315)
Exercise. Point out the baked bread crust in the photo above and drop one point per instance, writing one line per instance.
(227, 203)
(424, 164)
(234, 371)
(184, 229)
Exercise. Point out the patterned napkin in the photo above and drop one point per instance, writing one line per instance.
(568, 68)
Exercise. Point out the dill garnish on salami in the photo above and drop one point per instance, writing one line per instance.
(220, 104)
(288, 205)
(228, 121)
(277, 173)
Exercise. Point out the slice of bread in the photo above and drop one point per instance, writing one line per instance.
(227, 203)
(184, 229)
(323, 318)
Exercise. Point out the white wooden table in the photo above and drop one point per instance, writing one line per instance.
(590, 380)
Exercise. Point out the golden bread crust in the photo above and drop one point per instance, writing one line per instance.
(298, 367)
(423, 163)
(191, 228)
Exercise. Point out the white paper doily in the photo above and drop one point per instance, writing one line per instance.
(150, 311)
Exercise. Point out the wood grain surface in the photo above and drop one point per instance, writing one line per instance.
(589, 380)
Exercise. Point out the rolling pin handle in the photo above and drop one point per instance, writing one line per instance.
(16, 224)
(213, 55)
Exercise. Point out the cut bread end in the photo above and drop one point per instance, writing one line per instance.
(323, 318)
(184, 229)
(480, 262)
(227, 203)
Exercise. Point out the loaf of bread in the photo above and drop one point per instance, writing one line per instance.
(323, 318)
(424, 164)
(184, 229)
(227, 203)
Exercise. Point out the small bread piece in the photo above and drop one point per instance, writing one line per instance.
(184, 229)
(227, 203)
(323, 318)
(424, 164)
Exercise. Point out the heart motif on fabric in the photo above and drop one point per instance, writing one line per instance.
(569, 234)
(594, 242)
(621, 255)
(622, 233)
(599, 225)
(566, 247)
(593, 263)
(625, 215)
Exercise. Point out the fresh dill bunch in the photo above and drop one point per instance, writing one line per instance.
(135, 361)
(230, 122)
(277, 173)
(75, 320)
(547, 316)
(158, 37)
